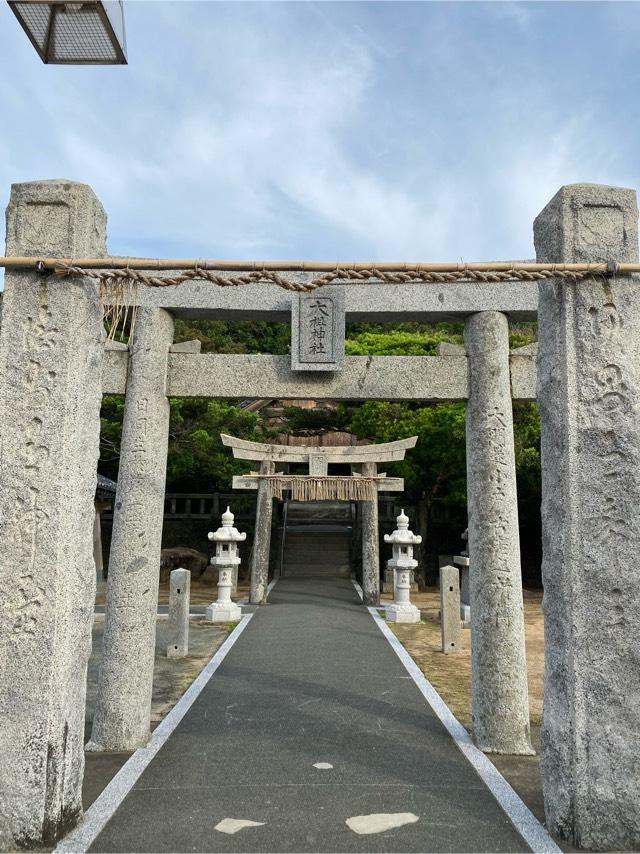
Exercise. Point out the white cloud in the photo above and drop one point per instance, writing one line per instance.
(403, 131)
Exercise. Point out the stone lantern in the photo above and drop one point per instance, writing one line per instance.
(227, 560)
(402, 563)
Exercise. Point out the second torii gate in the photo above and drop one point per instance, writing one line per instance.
(362, 485)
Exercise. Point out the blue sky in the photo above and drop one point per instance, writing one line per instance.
(353, 131)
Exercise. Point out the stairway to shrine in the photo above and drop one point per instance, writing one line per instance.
(317, 539)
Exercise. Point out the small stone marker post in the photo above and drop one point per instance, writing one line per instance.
(179, 592)
(402, 562)
(589, 397)
(450, 609)
(226, 539)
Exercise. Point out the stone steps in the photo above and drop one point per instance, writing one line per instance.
(310, 553)
(326, 571)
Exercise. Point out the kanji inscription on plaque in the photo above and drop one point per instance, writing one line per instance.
(317, 330)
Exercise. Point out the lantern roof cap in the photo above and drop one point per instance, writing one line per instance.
(402, 535)
(227, 532)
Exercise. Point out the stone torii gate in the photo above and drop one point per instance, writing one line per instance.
(363, 459)
(54, 367)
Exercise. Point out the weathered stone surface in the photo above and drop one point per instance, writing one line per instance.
(179, 595)
(589, 392)
(462, 561)
(123, 708)
(370, 544)
(588, 222)
(427, 303)
(450, 609)
(244, 449)
(446, 348)
(50, 363)
(318, 465)
(317, 330)
(427, 378)
(194, 346)
(363, 377)
(523, 376)
(97, 547)
(114, 369)
(261, 540)
(500, 703)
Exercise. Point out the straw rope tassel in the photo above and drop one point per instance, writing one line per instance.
(304, 488)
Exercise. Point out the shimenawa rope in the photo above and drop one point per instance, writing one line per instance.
(126, 278)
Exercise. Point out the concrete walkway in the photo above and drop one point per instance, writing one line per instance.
(311, 680)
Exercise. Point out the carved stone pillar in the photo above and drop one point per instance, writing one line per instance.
(500, 699)
(262, 539)
(370, 544)
(589, 397)
(50, 380)
(123, 706)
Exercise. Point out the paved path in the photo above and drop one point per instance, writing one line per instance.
(310, 680)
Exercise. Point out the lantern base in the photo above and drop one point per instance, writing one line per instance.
(223, 612)
(402, 614)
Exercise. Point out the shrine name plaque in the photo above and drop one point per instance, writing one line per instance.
(317, 330)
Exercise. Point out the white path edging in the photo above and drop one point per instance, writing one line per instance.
(272, 584)
(520, 815)
(358, 589)
(105, 805)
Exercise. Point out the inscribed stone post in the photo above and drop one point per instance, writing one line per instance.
(370, 544)
(179, 595)
(123, 706)
(500, 699)
(450, 609)
(50, 379)
(262, 539)
(589, 397)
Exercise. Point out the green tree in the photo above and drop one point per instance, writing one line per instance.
(197, 461)
(247, 336)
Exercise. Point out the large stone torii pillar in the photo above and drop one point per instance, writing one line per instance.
(500, 698)
(589, 396)
(123, 707)
(50, 392)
